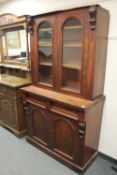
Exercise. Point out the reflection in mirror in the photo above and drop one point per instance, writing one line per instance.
(14, 46)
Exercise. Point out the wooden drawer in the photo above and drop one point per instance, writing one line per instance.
(67, 111)
(55, 107)
(6, 90)
(42, 103)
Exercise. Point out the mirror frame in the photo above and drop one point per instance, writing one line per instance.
(10, 22)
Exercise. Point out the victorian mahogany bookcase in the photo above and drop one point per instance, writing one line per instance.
(65, 101)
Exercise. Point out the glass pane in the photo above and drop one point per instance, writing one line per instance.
(45, 53)
(45, 74)
(72, 55)
(15, 46)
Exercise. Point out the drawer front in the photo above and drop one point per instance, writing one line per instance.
(55, 107)
(6, 90)
(67, 112)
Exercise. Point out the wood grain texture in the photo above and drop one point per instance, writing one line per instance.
(11, 111)
(97, 54)
(13, 81)
(74, 101)
(100, 52)
(94, 42)
(70, 138)
(62, 122)
(13, 75)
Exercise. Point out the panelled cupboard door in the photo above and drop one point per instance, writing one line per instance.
(54, 131)
(7, 111)
(38, 125)
(65, 137)
(72, 46)
(44, 51)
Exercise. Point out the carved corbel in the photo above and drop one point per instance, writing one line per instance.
(82, 128)
(30, 28)
(25, 107)
(92, 13)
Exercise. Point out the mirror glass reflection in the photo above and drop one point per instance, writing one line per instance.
(14, 46)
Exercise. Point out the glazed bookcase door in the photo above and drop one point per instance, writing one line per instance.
(45, 53)
(71, 35)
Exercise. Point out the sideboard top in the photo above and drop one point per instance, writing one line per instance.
(62, 98)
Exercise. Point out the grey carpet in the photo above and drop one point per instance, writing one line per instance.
(17, 157)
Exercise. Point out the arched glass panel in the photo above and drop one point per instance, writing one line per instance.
(72, 55)
(45, 53)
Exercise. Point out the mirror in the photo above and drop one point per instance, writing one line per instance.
(14, 46)
(14, 40)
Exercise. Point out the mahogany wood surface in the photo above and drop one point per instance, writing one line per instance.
(69, 134)
(93, 50)
(11, 111)
(64, 118)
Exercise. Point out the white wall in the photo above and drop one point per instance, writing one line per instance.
(33, 7)
(108, 138)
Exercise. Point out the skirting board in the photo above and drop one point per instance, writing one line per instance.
(108, 158)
